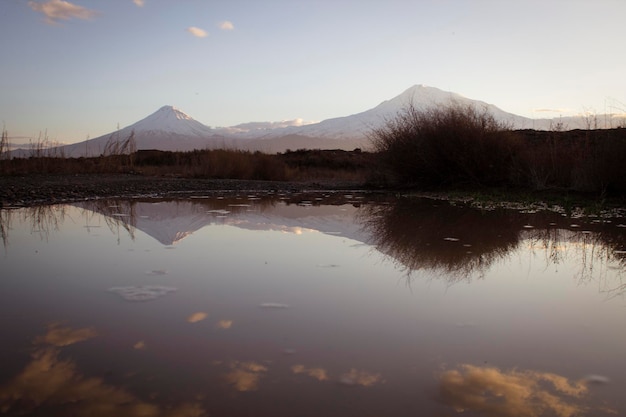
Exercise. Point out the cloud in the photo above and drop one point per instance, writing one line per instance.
(197, 32)
(547, 110)
(65, 336)
(224, 324)
(139, 3)
(50, 382)
(56, 10)
(245, 376)
(496, 393)
(318, 373)
(226, 25)
(363, 378)
(196, 317)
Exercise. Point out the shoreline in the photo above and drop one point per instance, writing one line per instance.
(33, 190)
(39, 189)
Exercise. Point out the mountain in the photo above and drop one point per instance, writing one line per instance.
(355, 128)
(166, 129)
(171, 129)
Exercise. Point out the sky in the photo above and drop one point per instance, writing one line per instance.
(72, 70)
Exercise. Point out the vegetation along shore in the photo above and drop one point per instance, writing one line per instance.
(445, 150)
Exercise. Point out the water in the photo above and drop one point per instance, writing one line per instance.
(309, 305)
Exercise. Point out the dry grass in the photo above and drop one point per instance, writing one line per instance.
(301, 165)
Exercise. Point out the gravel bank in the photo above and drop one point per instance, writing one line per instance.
(48, 189)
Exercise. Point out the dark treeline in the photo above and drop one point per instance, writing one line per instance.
(452, 147)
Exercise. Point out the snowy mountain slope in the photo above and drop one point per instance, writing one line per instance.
(358, 126)
(167, 129)
(170, 119)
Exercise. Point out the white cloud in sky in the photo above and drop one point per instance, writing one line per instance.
(197, 32)
(56, 10)
(226, 25)
(546, 110)
(138, 3)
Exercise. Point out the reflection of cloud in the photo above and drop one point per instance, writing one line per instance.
(56, 10)
(318, 373)
(65, 336)
(356, 377)
(226, 25)
(224, 324)
(196, 317)
(50, 383)
(245, 376)
(494, 393)
(197, 32)
(138, 3)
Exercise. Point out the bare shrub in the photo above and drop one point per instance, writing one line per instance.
(446, 145)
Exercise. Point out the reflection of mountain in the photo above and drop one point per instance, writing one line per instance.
(454, 241)
(169, 222)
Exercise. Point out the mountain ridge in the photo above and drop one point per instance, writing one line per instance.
(170, 129)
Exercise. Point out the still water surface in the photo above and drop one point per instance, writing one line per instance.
(310, 305)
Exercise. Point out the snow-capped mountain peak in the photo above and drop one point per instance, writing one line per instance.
(169, 119)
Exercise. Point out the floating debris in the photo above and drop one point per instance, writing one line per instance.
(328, 266)
(451, 239)
(218, 211)
(157, 272)
(528, 226)
(596, 379)
(273, 305)
(142, 293)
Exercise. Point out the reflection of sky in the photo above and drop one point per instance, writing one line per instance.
(357, 326)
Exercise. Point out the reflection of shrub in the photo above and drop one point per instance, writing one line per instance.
(446, 145)
(455, 241)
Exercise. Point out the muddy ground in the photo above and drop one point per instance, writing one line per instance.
(48, 189)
